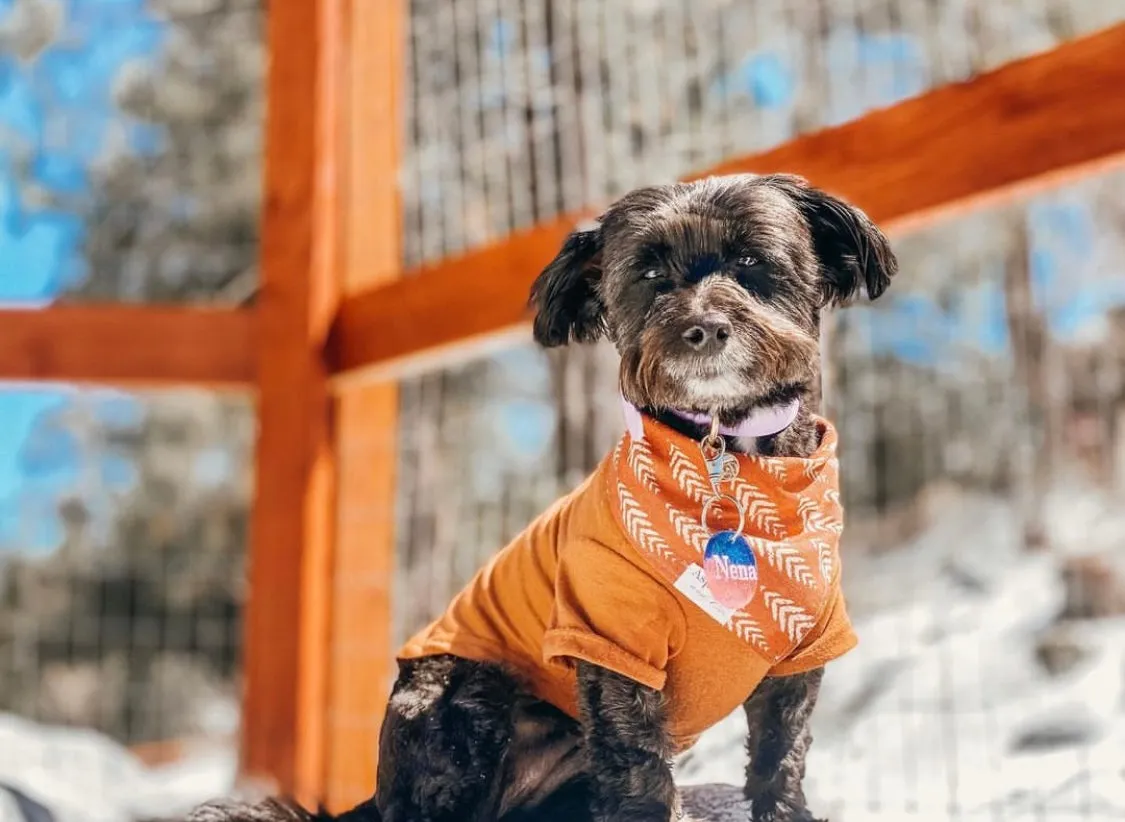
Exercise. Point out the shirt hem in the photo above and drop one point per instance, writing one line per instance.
(573, 644)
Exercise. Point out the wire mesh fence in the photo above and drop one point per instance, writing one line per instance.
(123, 526)
(522, 109)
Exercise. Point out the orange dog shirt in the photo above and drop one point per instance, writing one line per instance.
(615, 574)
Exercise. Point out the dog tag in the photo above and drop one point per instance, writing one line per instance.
(731, 569)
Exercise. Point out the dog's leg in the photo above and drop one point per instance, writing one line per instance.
(778, 714)
(441, 751)
(628, 747)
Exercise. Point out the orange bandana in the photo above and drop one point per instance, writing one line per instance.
(787, 565)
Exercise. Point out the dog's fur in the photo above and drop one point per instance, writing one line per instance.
(712, 293)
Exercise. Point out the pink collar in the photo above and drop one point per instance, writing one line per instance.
(762, 422)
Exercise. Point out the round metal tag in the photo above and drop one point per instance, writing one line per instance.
(731, 569)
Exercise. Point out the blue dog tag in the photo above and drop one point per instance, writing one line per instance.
(731, 569)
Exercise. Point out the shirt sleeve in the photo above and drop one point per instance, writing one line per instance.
(830, 638)
(611, 613)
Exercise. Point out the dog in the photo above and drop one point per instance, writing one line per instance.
(567, 675)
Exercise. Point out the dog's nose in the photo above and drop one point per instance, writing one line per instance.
(708, 333)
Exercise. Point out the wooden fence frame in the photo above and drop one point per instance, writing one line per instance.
(336, 322)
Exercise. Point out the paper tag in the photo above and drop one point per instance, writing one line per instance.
(693, 585)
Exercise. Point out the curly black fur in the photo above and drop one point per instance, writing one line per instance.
(758, 257)
(463, 741)
(447, 729)
(778, 714)
(630, 752)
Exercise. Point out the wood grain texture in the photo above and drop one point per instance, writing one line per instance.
(293, 520)
(1034, 123)
(435, 314)
(361, 662)
(128, 346)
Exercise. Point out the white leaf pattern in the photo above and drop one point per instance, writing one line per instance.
(824, 552)
(786, 559)
(641, 461)
(775, 468)
(760, 509)
(687, 476)
(815, 520)
(789, 616)
(639, 526)
(748, 630)
(689, 529)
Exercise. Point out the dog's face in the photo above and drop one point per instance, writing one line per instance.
(712, 290)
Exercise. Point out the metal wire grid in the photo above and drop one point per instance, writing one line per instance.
(957, 427)
(121, 595)
(522, 109)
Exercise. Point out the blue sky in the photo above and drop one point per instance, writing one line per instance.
(55, 113)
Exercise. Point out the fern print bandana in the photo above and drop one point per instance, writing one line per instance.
(766, 578)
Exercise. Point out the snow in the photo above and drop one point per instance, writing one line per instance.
(82, 776)
(943, 712)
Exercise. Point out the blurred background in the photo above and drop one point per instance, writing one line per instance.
(981, 403)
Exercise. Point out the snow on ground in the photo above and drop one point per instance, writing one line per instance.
(81, 776)
(942, 713)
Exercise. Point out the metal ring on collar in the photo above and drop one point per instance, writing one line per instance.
(707, 503)
(713, 447)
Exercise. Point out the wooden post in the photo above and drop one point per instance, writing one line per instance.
(367, 416)
(287, 619)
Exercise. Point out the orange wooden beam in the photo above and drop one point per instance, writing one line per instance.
(286, 656)
(129, 346)
(360, 665)
(1033, 123)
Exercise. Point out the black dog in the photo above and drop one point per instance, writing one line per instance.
(712, 293)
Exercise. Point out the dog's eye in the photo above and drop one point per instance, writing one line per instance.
(747, 262)
(652, 274)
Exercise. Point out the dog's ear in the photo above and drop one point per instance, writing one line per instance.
(853, 252)
(565, 295)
